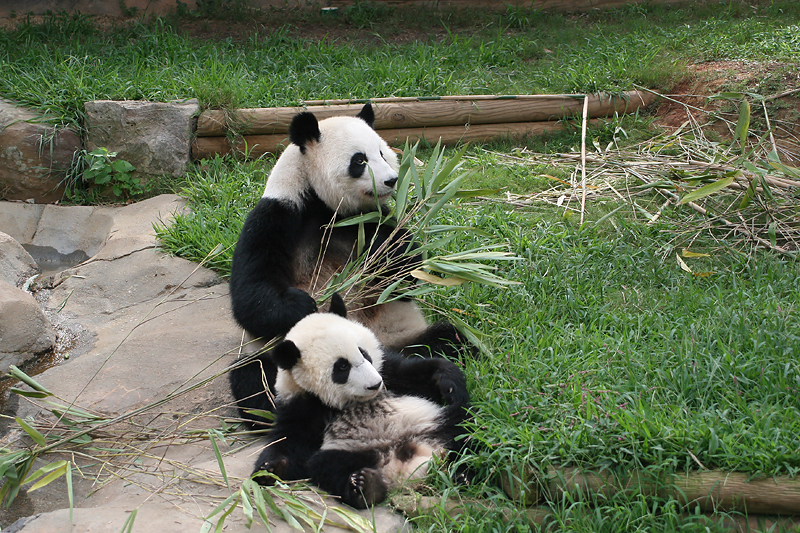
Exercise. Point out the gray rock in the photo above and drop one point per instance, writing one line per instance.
(34, 156)
(20, 220)
(16, 264)
(154, 137)
(25, 331)
(160, 330)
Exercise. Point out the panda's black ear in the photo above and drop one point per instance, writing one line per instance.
(304, 129)
(285, 354)
(367, 114)
(337, 306)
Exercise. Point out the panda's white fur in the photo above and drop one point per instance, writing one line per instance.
(330, 338)
(370, 418)
(324, 166)
(337, 424)
(288, 250)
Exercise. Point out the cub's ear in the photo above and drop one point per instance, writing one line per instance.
(367, 115)
(304, 129)
(286, 354)
(337, 306)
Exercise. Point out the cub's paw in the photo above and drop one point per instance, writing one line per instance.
(451, 383)
(365, 487)
(269, 469)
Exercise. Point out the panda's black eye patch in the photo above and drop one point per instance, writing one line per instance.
(358, 162)
(341, 371)
(365, 354)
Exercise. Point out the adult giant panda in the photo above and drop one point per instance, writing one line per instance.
(338, 425)
(288, 249)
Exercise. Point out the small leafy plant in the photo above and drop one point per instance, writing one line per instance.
(99, 171)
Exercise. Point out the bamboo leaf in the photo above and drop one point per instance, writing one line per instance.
(70, 494)
(687, 253)
(436, 280)
(247, 508)
(29, 394)
(372, 216)
(258, 500)
(743, 125)
(352, 519)
(127, 527)
(33, 432)
(16, 373)
(207, 525)
(682, 264)
(55, 471)
(450, 166)
(404, 181)
(260, 413)
(774, 161)
(219, 458)
(388, 291)
(706, 190)
(748, 195)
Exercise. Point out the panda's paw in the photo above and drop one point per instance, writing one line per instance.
(365, 487)
(268, 470)
(451, 384)
(297, 304)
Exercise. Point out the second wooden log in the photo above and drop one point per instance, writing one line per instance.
(258, 145)
(427, 113)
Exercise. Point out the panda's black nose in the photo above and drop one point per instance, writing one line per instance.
(376, 386)
(390, 182)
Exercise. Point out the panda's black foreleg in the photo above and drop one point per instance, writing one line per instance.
(351, 475)
(436, 379)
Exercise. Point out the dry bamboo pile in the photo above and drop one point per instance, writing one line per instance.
(446, 119)
(666, 165)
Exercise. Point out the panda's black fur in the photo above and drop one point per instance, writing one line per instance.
(337, 425)
(288, 250)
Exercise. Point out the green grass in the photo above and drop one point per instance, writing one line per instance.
(608, 355)
(65, 61)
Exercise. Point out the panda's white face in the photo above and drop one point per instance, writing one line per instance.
(351, 168)
(339, 361)
(347, 164)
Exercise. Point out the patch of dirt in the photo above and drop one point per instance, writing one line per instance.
(772, 89)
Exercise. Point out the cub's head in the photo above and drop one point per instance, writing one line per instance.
(349, 166)
(331, 357)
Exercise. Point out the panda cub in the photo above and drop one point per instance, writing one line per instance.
(288, 249)
(338, 425)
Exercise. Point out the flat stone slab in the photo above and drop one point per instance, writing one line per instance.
(156, 335)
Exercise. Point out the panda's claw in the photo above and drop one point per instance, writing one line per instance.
(452, 392)
(366, 487)
(268, 470)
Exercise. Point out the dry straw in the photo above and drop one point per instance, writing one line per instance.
(741, 182)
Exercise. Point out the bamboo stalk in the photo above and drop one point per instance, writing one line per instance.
(415, 505)
(426, 113)
(712, 491)
(258, 145)
(583, 156)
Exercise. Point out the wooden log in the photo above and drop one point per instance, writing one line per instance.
(711, 490)
(427, 112)
(533, 5)
(258, 145)
(415, 505)
(252, 145)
